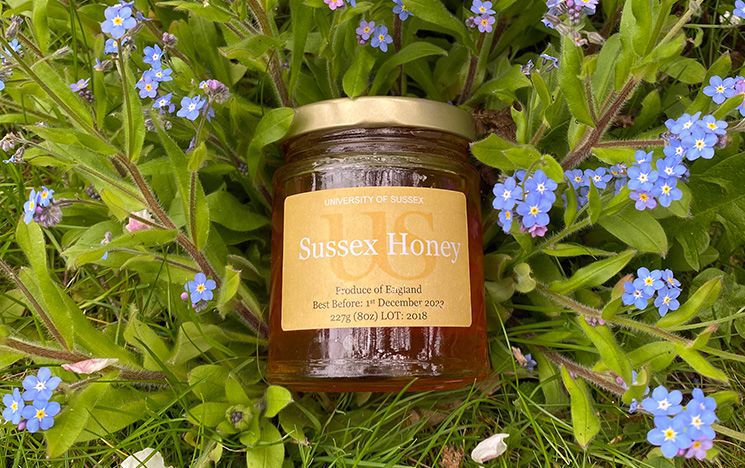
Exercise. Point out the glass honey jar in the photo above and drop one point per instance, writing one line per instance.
(377, 263)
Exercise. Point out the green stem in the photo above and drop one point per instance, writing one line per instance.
(587, 374)
(576, 156)
(275, 71)
(591, 312)
(630, 143)
(472, 69)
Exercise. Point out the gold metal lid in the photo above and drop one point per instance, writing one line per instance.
(382, 111)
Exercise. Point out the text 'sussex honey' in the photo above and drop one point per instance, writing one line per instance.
(377, 276)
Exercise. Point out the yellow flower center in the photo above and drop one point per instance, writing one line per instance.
(696, 444)
(482, 9)
(14, 406)
(534, 210)
(666, 300)
(670, 434)
(507, 215)
(700, 144)
(118, 20)
(577, 179)
(644, 197)
(40, 414)
(666, 189)
(720, 89)
(367, 29)
(44, 194)
(200, 287)
(148, 87)
(712, 126)
(381, 37)
(696, 422)
(648, 280)
(484, 21)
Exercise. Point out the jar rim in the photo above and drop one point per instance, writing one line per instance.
(382, 111)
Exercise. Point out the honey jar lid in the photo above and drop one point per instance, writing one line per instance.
(382, 111)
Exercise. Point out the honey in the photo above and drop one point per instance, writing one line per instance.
(377, 274)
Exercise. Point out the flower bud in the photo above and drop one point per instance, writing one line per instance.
(15, 24)
(168, 40)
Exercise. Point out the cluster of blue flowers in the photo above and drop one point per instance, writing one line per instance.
(32, 410)
(530, 197)
(119, 24)
(681, 430)
(662, 283)
(659, 184)
(484, 16)
(566, 15)
(378, 36)
(719, 89)
(199, 291)
(40, 208)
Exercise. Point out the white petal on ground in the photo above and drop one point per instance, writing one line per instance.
(137, 460)
(89, 366)
(489, 448)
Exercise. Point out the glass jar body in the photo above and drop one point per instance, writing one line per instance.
(377, 358)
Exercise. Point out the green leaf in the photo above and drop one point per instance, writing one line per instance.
(610, 352)
(585, 422)
(54, 85)
(43, 289)
(594, 205)
(189, 188)
(74, 416)
(231, 280)
(207, 381)
(638, 229)
(570, 212)
(204, 10)
(702, 299)
(700, 364)
(134, 119)
(593, 274)
(301, 17)
(269, 452)
(226, 210)
(357, 77)
(411, 52)
(436, 13)
(499, 153)
(41, 25)
(144, 338)
(208, 414)
(657, 355)
(250, 49)
(31, 240)
(686, 70)
(575, 250)
(276, 399)
(270, 129)
(571, 85)
(90, 250)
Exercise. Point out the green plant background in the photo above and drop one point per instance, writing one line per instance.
(179, 372)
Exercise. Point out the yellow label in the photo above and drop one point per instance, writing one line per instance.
(376, 257)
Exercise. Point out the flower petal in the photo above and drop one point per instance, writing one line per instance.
(89, 366)
(489, 448)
